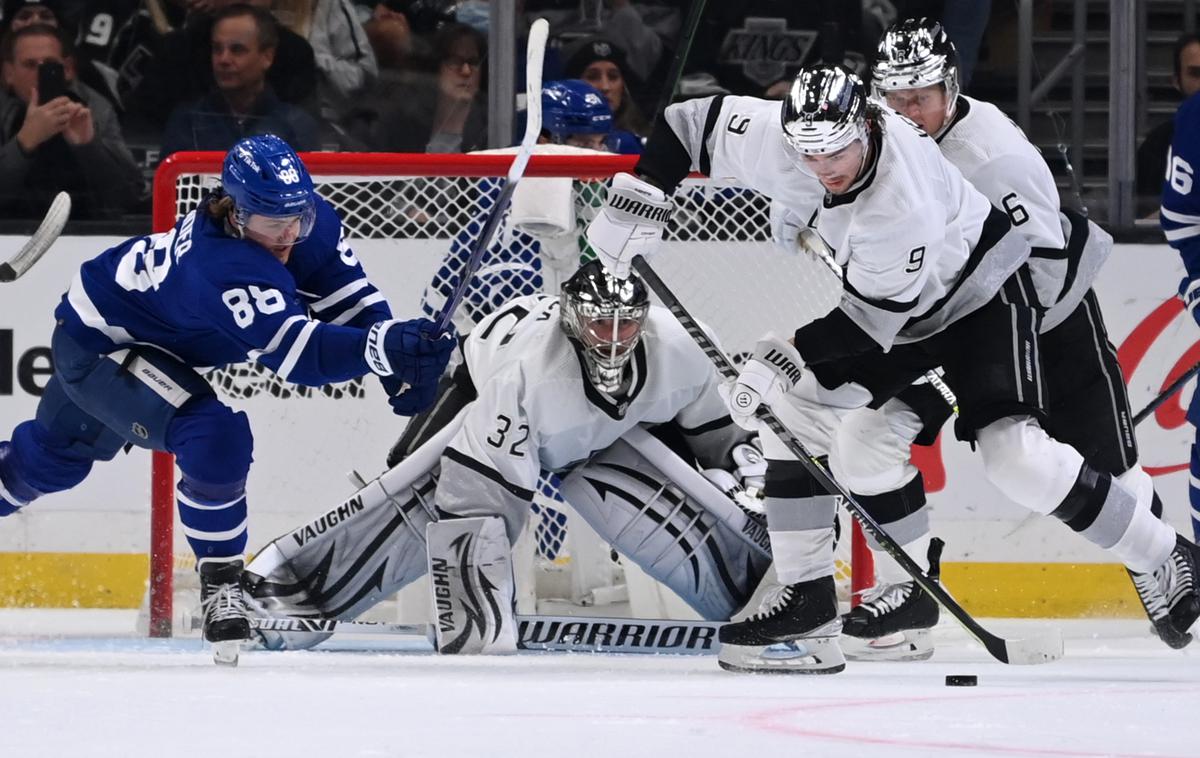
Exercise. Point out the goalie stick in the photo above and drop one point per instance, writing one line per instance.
(1044, 647)
(534, 52)
(45, 236)
(569, 634)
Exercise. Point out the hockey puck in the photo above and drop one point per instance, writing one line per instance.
(962, 680)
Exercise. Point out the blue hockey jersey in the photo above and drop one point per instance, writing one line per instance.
(211, 299)
(1180, 212)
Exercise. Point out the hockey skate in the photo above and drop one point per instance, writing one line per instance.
(1170, 595)
(223, 607)
(892, 622)
(794, 632)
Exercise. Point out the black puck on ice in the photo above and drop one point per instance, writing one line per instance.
(961, 680)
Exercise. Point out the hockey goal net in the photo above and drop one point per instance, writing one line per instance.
(407, 218)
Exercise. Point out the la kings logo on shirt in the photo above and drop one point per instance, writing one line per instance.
(766, 49)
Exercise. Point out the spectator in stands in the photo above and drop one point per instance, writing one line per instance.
(243, 103)
(1152, 154)
(403, 31)
(184, 70)
(438, 111)
(346, 65)
(601, 63)
(71, 142)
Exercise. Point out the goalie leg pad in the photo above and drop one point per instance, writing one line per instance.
(346, 560)
(687, 535)
(470, 571)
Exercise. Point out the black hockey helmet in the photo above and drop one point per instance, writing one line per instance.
(825, 110)
(604, 315)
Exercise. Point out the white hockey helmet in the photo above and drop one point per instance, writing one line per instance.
(825, 110)
(604, 315)
(912, 54)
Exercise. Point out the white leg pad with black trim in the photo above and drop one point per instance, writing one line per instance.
(471, 580)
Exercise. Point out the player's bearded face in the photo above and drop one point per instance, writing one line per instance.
(837, 170)
(924, 106)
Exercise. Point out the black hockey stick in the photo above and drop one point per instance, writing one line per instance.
(1041, 648)
(1165, 395)
(686, 35)
(45, 236)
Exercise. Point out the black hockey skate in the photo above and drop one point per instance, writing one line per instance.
(223, 607)
(1173, 586)
(794, 632)
(892, 622)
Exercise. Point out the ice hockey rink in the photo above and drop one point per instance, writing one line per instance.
(82, 683)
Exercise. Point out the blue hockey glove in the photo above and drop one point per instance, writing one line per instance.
(1189, 293)
(408, 400)
(405, 350)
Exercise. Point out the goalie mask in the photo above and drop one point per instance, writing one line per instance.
(914, 54)
(604, 316)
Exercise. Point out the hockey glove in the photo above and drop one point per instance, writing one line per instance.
(406, 350)
(631, 223)
(770, 374)
(749, 472)
(785, 228)
(408, 400)
(1189, 293)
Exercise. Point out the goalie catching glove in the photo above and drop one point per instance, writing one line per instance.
(631, 223)
(770, 374)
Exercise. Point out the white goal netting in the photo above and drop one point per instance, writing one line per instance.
(411, 220)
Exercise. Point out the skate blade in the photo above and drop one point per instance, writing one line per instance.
(810, 655)
(226, 653)
(909, 645)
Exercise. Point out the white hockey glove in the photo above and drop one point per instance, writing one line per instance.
(785, 228)
(745, 482)
(770, 374)
(631, 223)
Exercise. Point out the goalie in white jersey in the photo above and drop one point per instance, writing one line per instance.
(562, 384)
(916, 73)
(934, 276)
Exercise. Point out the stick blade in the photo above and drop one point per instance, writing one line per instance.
(1045, 646)
(45, 236)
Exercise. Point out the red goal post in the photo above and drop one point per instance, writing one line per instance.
(717, 258)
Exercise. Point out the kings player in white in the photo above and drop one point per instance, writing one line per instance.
(564, 384)
(934, 276)
(916, 73)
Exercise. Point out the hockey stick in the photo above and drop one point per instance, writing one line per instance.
(45, 236)
(1166, 394)
(1042, 648)
(572, 634)
(534, 52)
(687, 34)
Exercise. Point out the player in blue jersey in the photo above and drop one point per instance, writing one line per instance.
(1180, 216)
(259, 272)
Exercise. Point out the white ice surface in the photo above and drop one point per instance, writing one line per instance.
(79, 683)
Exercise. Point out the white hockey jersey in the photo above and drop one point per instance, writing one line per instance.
(536, 410)
(909, 234)
(995, 156)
